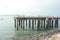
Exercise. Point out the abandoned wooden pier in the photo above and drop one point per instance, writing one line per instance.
(36, 22)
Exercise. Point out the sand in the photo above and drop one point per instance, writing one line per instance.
(55, 37)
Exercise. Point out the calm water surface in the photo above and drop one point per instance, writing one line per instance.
(6, 28)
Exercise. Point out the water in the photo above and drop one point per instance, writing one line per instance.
(8, 31)
(6, 28)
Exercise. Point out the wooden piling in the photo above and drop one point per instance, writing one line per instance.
(38, 25)
(44, 23)
(56, 23)
(48, 22)
(26, 23)
(19, 22)
(35, 24)
(15, 23)
(23, 24)
(29, 23)
(32, 23)
(52, 23)
(41, 23)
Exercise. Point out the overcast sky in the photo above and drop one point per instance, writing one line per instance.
(30, 7)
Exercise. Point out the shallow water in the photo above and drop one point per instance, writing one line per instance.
(6, 28)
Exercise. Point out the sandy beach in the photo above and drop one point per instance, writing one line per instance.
(55, 37)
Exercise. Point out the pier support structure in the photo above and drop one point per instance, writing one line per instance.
(36, 22)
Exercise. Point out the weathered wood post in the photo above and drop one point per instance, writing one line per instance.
(15, 22)
(41, 23)
(23, 24)
(35, 23)
(38, 25)
(32, 23)
(56, 23)
(19, 22)
(29, 23)
(26, 23)
(52, 23)
(44, 23)
(47, 23)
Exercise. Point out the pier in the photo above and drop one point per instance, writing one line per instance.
(36, 22)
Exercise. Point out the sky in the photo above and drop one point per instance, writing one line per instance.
(30, 7)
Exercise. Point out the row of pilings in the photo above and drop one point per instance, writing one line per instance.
(35, 23)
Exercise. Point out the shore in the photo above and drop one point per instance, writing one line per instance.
(55, 37)
(49, 35)
(45, 36)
